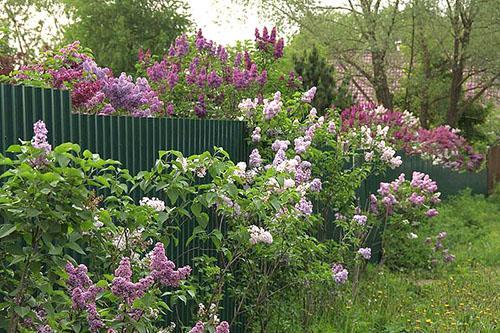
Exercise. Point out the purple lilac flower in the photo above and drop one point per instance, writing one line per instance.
(170, 109)
(107, 110)
(200, 108)
(43, 329)
(304, 206)
(272, 108)
(123, 287)
(255, 160)
(40, 139)
(431, 212)
(198, 328)
(214, 80)
(448, 257)
(278, 49)
(360, 219)
(301, 145)
(223, 327)
(373, 204)
(331, 127)
(339, 273)
(163, 270)
(309, 95)
(93, 318)
(279, 158)
(303, 172)
(256, 135)
(280, 145)
(316, 185)
(365, 252)
(442, 235)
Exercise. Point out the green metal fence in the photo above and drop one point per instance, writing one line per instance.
(135, 142)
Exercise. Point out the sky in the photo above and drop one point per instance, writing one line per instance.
(226, 22)
(223, 21)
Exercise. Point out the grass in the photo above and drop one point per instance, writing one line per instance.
(462, 297)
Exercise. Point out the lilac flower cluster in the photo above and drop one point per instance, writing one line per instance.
(272, 108)
(339, 273)
(123, 287)
(308, 96)
(83, 294)
(163, 270)
(365, 252)
(419, 193)
(268, 42)
(442, 144)
(155, 203)
(39, 141)
(259, 235)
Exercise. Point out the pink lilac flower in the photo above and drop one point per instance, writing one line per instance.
(431, 212)
(255, 160)
(40, 139)
(223, 327)
(198, 328)
(365, 252)
(163, 270)
(360, 219)
(416, 199)
(340, 274)
(308, 96)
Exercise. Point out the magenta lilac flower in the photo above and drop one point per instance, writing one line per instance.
(432, 212)
(223, 327)
(198, 328)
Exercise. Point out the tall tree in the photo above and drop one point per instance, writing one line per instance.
(115, 30)
(361, 31)
(33, 25)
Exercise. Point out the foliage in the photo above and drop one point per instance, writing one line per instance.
(197, 78)
(115, 30)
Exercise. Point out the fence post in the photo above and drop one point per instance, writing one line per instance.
(493, 166)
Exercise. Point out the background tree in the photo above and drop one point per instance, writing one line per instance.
(317, 72)
(32, 25)
(115, 30)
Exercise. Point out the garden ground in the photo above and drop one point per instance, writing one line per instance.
(463, 297)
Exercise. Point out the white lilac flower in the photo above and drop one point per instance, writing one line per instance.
(155, 203)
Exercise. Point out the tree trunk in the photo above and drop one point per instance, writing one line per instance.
(380, 82)
(425, 104)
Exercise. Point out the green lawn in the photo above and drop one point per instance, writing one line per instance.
(462, 297)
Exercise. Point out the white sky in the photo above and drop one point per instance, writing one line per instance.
(224, 21)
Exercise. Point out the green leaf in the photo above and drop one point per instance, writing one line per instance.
(22, 311)
(75, 247)
(6, 230)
